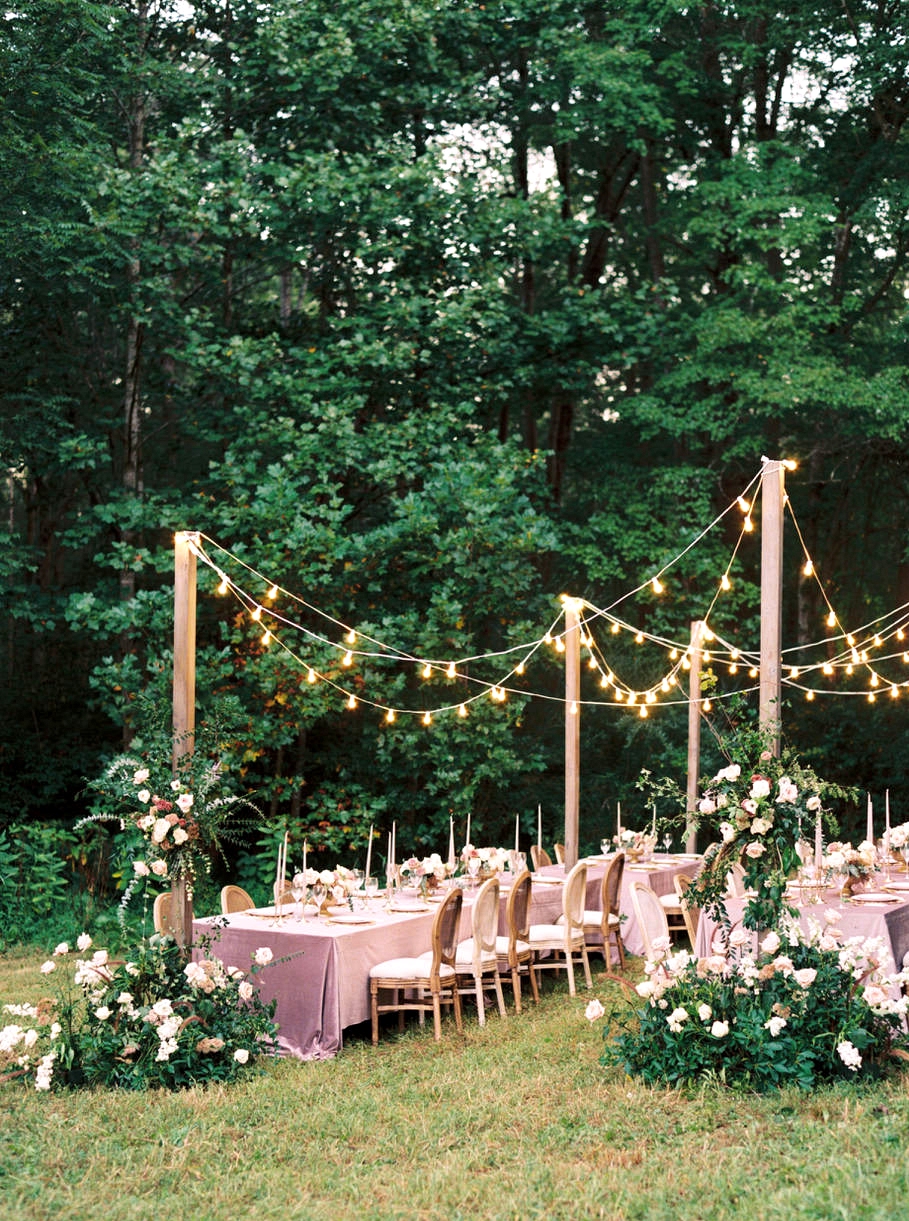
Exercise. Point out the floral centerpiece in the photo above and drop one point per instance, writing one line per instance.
(153, 1020)
(483, 862)
(760, 806)
(338, 884)
(809, 1007)
(853, 865)
(634, 844)
(899, 840)
(424, 873)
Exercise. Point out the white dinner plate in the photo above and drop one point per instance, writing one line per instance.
(874, 896)
(352, 918)
(547, 881)
(898, 885)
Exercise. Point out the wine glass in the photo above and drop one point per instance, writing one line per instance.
(317, 896)
(298, 890)
(357, 891)
(371, 886)
(473, 868)
(667, 841)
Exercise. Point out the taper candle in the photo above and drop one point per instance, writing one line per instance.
(369, 852)
(869, 832)
(517, 827)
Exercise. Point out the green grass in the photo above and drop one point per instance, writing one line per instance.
(515, 1121)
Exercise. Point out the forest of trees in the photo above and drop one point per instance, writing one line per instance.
(431, 311)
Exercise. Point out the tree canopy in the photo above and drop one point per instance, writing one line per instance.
(431, 312)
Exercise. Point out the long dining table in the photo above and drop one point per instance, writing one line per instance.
(319, 973)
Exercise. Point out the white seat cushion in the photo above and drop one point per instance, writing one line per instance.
(407, 968)
(465, 951)
(539, 933)
(670, 901)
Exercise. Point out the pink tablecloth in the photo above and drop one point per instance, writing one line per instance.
(320, 976)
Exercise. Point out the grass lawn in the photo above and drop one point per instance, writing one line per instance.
(517, 1120)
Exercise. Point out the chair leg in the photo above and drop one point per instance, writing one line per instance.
(497, 983)
(586, 962)
(456, 1001)
(374, 989)
(436, 1016)
(481, 1007)
(516, 988)
(534, 984)
(569, 967)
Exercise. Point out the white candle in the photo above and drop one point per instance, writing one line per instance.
(467, 840)
(388, 857)
(517, 827)
(818, 845)
(887, 824)
(653, 824)
(369, 852)
(451, 847)
(394, 843)
(618, 820)
(869, 833)
(539, 826)
(304, 861)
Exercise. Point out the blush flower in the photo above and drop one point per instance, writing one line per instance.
(263, 956)
(594, 1010)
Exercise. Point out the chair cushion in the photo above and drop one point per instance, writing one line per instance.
(541, 934)
(465, 951)
(670, 901)
(407, 968)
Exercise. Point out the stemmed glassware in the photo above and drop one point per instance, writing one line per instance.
(317, 896)
(298, 890)
(473, 868)
(371, 886)
(667, 841)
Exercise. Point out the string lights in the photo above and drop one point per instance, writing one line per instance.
(353, 649)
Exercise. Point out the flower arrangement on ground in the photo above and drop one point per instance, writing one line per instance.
(152, 1021)
(808, 1007)
(760, 807)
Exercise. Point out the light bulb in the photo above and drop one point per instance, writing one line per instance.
(272, 593)
(574, 708)
(352, 701)
(462, 710)
(875, 681)
(351, 637)
(520, 668)
(674, 655)
(827, 668)
(390, 716)
(748, 524)
(725, 583)
(427, 671)
(686, 664)
(753, 672)
(591, 663)
(224, 586)
(733, 668)
(311, 675)
(639, 638)
(871, 697)
(266, 636)
(900, 635)
(451, 672)
(642, 712)
(651, 697)
(831, 619)
(560, 645)
(708, 635)
(604, 680)
(794, 672)
(706, 656)
(849, 668)
(894, 692)
(618, 695)
(850, 640)
(632, 697)
(256, 614)
(587, 642)
(615, 629)
(547, 639)
(877, 642)
(427, 719)
(657, 585)
(809, 695)
(708, 707)
(347, 659)
(808, 569)
(743, 504)
(734, 654)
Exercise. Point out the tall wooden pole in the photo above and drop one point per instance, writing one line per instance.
(184, 701)
(572, 641)
(772, 496)
(694, 724)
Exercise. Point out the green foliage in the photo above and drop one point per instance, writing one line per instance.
(803, 1011)
(35, 878)
(152, 1020)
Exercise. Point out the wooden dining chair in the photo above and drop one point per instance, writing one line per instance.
(675, 917)
(606, 922)
(692, 914)
(559, 850)
(514, 950)
(539, 856)
(434, 975)
(476, 958)
(650, 915)
(235, 899)
(161, 915)
(566, 939)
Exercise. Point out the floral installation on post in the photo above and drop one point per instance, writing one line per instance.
(760, 806)
(809, 1007)
(179, 818)
(155, 1021)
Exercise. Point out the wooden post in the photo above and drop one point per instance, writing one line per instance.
(694, 724)
(572, 640)
(769, 708)
(184, 698)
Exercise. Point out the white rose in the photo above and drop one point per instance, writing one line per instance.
(140, 776)
(47, 967)
(241, 1055)
(263, 956)
(705, 1013)
(719, 1030)
(759, 788)
(102, 1013)
(176, 785)
(144, 796)
(813, 803)
(180, 836)
(83, 941)
(771, 943)
(62, 948)
(159, 868)
(594, 1010)
(140, 869)
(754, 849)
(160, 830)
(245, 990)
(185, 802)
